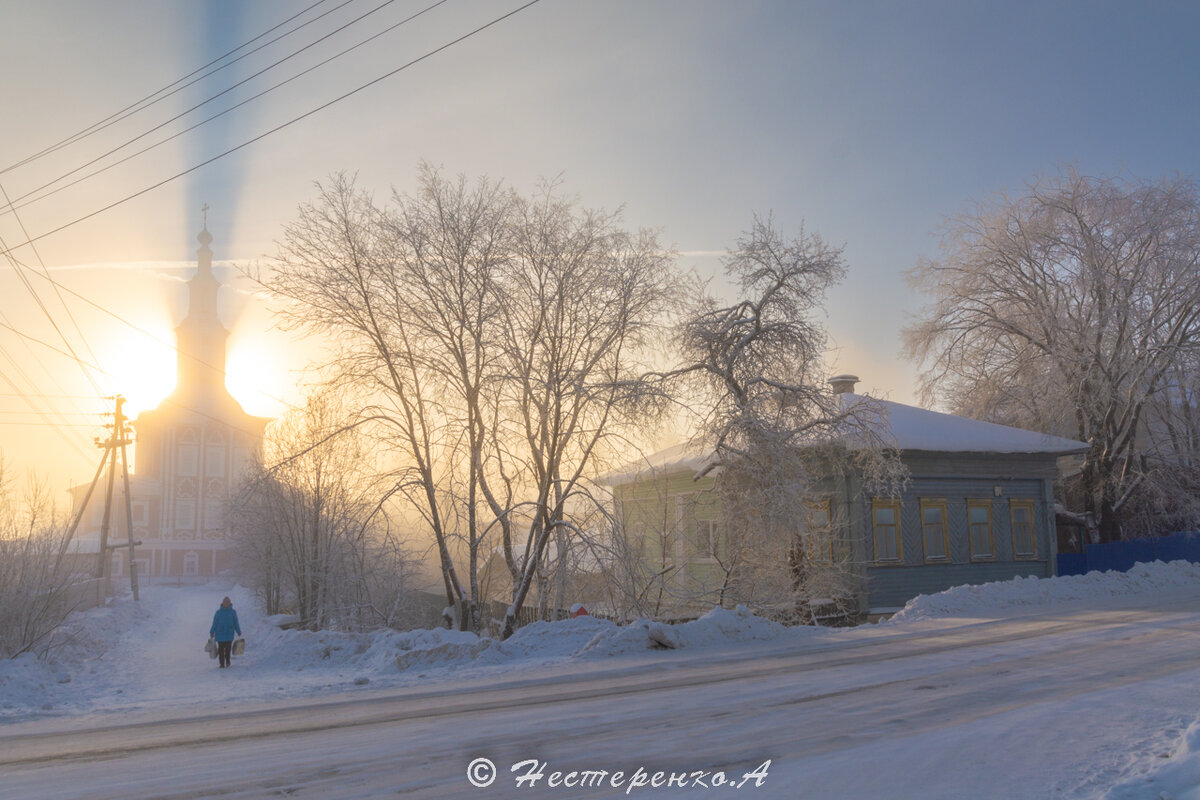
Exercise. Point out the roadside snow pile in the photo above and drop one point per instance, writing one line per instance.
(988, 598)
(561, 639)
(582, 637)
(717, 627)
(1176, 777)
(379, 651)
(76, 654)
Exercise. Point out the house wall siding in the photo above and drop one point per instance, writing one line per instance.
(997, 480)
(654, 511)
(892, 587)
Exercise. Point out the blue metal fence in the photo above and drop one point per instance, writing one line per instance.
(1120, 556)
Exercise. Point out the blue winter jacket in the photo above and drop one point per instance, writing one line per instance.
(225, 625)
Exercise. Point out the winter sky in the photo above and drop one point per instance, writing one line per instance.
(867, 121)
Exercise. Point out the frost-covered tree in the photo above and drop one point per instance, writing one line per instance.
(1072, 309)
(37, 577)
(582, 296)
(495, 340)
(777, 430)
(312, 531)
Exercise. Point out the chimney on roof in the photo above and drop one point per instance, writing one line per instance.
(843, 384)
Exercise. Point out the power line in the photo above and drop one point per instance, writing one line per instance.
(170, 346)
(278, 128)
(18, 370)
(60, 413)
(31, 239)
(72, 443)
(148, 99)
(234, 149)
(29, 287)
(50, 396)
(182, 114)
(58, 425)
(46, 344)
(167, 400)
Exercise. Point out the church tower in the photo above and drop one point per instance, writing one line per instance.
(191, 451)
(201, 337)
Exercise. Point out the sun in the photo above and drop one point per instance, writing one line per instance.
(255, 374)
(139, 365)
(141, 368)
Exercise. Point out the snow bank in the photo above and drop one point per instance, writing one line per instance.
(1176, 777)
(76, 655)
(716, 628)
(130, 655)
(989, 598)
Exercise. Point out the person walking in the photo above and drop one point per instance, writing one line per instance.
(224, 627)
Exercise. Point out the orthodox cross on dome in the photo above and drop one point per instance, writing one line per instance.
(205, 238)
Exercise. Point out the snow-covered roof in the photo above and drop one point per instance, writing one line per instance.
(913, 428)
(679, 457)
(903, 426)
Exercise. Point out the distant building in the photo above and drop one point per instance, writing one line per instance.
(189, 453)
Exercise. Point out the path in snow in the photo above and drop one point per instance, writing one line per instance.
(161, 658)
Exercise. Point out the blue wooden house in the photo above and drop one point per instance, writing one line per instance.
(978, 507)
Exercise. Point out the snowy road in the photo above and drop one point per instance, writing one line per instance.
(1058, 704)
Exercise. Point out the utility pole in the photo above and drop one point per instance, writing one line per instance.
(119, 439)
(122, 439)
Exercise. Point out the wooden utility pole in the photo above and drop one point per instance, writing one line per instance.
(119, 439)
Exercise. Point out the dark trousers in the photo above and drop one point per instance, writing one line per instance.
(223, 652)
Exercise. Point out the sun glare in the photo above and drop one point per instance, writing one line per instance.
(141, 369)
(252, 373)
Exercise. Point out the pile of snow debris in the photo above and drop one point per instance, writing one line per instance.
(990, 598)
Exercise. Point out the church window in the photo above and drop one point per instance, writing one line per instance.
(189, 455)
(214, 514)
(214, 461)
(185, 515)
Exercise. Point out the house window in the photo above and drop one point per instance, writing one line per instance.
(1021, 512)
(933, 530)
(191, 564)
(140, 514)
(818, 539)
(979, 528)
(706, 538)
(885, 524)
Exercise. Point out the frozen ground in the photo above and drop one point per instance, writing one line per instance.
(1070, 687)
